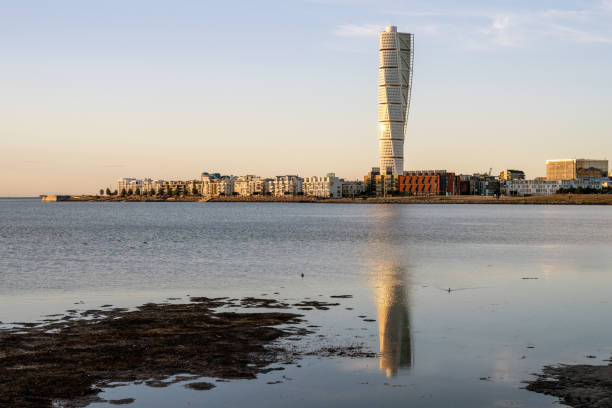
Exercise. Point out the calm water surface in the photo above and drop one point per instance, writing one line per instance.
(468, 347)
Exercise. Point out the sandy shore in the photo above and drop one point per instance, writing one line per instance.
(557, 199)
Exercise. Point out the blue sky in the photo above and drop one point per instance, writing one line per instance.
(96, 90)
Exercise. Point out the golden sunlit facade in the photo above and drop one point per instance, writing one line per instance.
(574, 169)
(394, 88)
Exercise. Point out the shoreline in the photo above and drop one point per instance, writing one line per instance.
(556, 199)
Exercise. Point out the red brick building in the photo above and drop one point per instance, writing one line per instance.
(420, 185)
(436, 182)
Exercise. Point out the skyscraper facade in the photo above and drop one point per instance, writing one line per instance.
(394, 88)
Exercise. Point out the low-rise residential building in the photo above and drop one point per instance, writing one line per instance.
(387, 185)
(547, 187)
(380, 185)
(285, 185)
(352, 188)
(225, 186)
(466, 184)
(128, 183)
(249, 185)
(486, 184)
(215, 185)
(329, 186)
(509, 174)
(148, 186)
(429, 182)
(420, 185)
(369, 181)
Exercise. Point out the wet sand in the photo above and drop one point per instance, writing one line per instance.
(70, 358)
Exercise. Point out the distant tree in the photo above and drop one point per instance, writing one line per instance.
(108, 191)
(137, 191)
(101, 191)
(130, 192)
(123, 192)
(194, 190)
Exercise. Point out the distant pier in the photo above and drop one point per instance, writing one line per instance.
(52, 198)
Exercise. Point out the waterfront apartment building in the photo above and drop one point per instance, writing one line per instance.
(386, 185)
(486, 185)
(429, 182)
(509, 174)
(394, 89)
(285, 185)
(250, 185)
(148, 186)
(329, 186)
(547, 187)
(575, 169)
(352, 188)
(214, 185)
(129, 183)
(369, 181)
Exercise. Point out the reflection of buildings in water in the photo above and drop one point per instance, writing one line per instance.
(391, 298)
(393, 321)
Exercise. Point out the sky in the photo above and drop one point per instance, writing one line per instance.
(91, 91)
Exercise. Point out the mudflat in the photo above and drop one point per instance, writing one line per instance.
(579, 386)
(70, 358)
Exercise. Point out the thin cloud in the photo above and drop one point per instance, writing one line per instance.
(355, 30)
(489, 29)
(580, 36)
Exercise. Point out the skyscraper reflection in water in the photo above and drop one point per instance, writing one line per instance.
(391, 291)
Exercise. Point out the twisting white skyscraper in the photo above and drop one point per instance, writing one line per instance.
(394, 88)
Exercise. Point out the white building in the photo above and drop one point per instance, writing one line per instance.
(133, 184)
(207, 180)
(329, 186)
(225, 186)
(285, 185)
(546, 187)
(152, 186)
(126, 183)
(214, 185)
(249, 185)
(394, 88)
